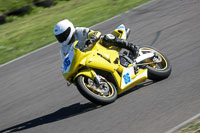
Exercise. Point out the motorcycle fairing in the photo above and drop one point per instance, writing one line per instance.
(120, 32)
(126, 76)
(129, 79)
(100, 57)
(68, 60)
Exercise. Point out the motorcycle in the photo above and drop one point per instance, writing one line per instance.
(102, 73)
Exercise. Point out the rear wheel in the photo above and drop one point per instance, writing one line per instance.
(103, 94)
(159, 66)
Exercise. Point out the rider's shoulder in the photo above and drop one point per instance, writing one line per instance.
(82, 30)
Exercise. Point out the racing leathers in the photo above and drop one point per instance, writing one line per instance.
(81, 34)
(85, 36)
(111, 40)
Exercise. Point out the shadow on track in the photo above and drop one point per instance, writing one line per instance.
(61, 114)
(65, 113)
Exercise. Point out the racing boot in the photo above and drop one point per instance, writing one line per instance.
(128, 45)
(133, 48)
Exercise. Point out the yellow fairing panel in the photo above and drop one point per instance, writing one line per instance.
(120, 32)
(75, 64)
(97, 57)
(87, 72)
(102, 58)
(129, 81)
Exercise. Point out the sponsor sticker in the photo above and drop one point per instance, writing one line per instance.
(66, 63)
(127, 78)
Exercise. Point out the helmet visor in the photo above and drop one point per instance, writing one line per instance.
(63, 36)
(72, 39)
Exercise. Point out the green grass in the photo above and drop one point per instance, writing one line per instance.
(8, 5)
(25, 34)
(192, 128)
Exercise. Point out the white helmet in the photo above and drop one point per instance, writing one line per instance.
(64, 32)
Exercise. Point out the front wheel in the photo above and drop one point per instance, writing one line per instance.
(159, 67)
(102, 94)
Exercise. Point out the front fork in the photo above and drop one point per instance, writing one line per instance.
(96, 79)
(91, 74)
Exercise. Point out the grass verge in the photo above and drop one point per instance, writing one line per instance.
(192, 128)
(35, 30)
(8, 5)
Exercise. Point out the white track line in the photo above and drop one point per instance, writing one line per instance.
(185, 123)
(27, 54)
(90, 27)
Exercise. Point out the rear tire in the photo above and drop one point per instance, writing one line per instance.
(99, 95)
(158, 71)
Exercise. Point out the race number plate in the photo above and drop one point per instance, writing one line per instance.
(68, 61)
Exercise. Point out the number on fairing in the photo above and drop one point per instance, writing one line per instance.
(127, 78)
(66, 63)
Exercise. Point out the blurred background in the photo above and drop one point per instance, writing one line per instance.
(26, 25)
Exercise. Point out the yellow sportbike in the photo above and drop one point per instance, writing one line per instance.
(102, 73)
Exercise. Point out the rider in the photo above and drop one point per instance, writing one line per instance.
(66, 34)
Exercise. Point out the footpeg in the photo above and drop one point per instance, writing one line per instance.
(135, 67)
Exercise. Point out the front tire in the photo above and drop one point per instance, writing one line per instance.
(106, 93)
(157, 71)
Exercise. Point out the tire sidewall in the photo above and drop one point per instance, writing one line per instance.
(157, 75)
(91, 96)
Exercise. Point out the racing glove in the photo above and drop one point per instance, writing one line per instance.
(93, 37)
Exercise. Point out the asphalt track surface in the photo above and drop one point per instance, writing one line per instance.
(34, 97)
